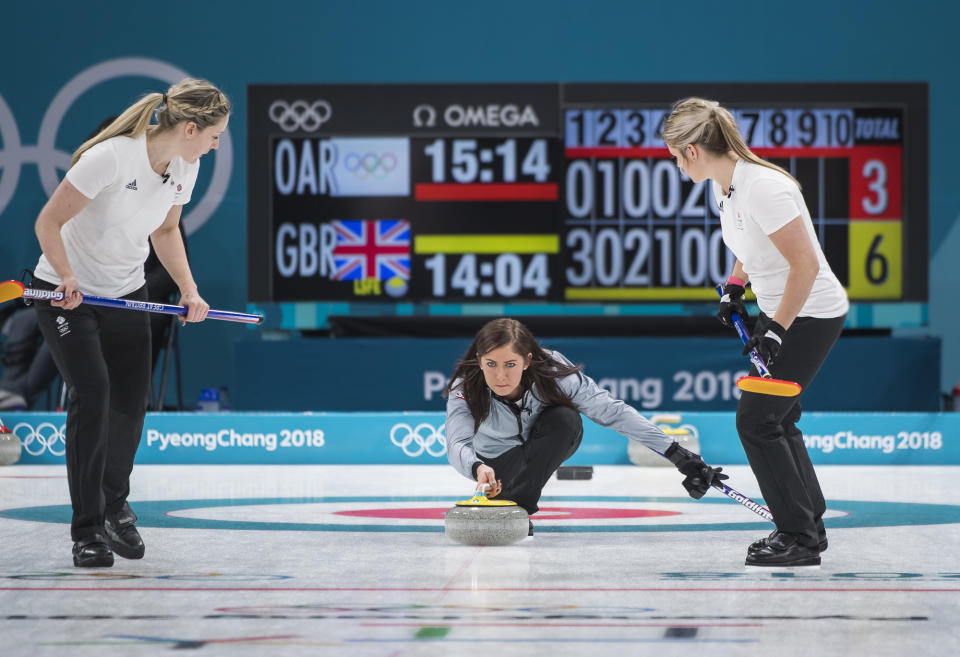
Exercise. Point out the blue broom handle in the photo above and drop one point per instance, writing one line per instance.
(745, 338)
(145, 306)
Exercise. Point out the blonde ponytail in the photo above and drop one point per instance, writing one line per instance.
(713, 128)
(188, 100)
(132, 123)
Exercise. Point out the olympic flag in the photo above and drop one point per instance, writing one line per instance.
(371, 167)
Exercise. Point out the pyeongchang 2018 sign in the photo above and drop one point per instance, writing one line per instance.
(419, 438)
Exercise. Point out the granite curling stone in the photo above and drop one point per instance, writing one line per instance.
(9, 446)
(685, 435)
(481, 521)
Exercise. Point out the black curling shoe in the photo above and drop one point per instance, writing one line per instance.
(92, 553)
(530, 530)
(122, 537)
(783, 551)
(762, 542)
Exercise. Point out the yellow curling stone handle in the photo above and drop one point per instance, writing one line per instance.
(481, 500)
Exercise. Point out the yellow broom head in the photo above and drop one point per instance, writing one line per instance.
(769, 386)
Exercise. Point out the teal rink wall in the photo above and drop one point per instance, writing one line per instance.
(53, 91)
(418, 438)
(681, 373)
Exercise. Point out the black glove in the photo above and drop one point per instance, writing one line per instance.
(699, 475)
(731, 302)
(766, 339)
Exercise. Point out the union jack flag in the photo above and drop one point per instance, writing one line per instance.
(371, 249)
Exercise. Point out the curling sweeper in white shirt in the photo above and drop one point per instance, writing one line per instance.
(125, 185)
(767, 226)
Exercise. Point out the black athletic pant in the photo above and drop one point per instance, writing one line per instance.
(771, 439)
(103, 355)
(525, 469)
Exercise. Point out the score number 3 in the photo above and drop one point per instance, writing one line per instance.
(875, 172)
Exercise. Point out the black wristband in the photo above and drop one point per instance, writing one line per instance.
(778, 330)
(735, 291)
(675, 453)
(474, 467)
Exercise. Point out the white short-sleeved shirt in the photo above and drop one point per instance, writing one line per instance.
(761, 202)
(107, 241)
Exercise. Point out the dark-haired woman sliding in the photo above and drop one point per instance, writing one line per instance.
(513, 416)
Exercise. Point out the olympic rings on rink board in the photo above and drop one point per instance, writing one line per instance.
(42, 438)
(422, 438)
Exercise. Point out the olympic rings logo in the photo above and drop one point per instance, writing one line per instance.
(46, 437)
(50, 160)
(416, 440)
(300, 115)
(370, 165)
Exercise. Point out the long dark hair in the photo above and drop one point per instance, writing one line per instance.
(542, 372)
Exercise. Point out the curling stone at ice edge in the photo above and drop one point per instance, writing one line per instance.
(685, 436)
(480, 521)
(9, 447)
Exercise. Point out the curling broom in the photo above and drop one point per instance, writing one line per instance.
(764, 384)
(10, 290)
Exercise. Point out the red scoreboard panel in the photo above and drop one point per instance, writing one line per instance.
(433, 194)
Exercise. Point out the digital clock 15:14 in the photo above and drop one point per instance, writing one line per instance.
(471, 160)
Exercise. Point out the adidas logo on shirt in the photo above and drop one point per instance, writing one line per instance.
(132, 184)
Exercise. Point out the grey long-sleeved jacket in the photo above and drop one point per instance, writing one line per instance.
(503, 429)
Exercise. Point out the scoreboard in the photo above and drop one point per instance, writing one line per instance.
(563, 193)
